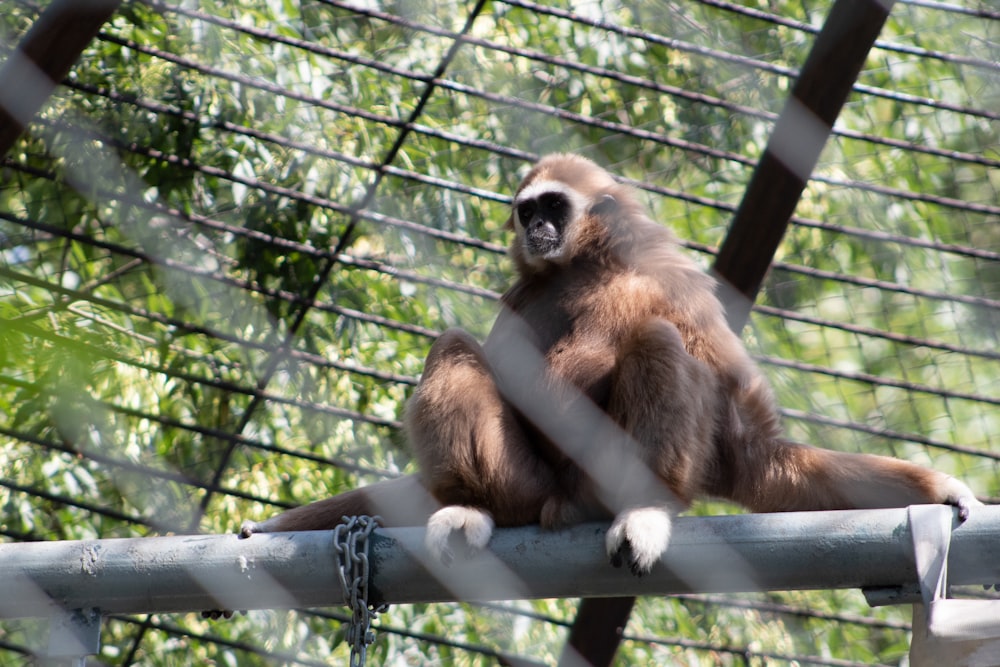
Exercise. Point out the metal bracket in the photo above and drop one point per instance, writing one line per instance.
(73, 635)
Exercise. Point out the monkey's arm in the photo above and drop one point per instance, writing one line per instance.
(402, 501)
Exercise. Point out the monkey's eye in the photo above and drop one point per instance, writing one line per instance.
(526, 210)
(553, 202)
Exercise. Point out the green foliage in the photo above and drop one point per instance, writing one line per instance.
(167, 223)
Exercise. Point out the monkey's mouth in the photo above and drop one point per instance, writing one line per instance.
(542, 239)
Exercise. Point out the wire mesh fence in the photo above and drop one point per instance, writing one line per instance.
(230, 237)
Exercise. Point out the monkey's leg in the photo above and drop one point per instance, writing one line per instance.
(665, 401)
(786, 476)
(473, 454)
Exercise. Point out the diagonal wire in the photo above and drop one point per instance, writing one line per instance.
(282, 353)
(346, 237)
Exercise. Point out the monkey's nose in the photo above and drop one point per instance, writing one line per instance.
(543, 237)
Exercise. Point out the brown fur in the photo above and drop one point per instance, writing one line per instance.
(619, 328)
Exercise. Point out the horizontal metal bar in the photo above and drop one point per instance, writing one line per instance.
(750, 552)
(753, 552)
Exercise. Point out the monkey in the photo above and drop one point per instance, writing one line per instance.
(610, 387)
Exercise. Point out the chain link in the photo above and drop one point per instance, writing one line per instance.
(351, 543)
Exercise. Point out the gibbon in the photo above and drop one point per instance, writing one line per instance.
(610, 387)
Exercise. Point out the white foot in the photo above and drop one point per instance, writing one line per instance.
(638, 536)
(476, 524)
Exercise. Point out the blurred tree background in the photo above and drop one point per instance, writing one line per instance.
(229, 238)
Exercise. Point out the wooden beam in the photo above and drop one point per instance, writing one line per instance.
(597, 631)
(43, 58)
(798, 138)
(758, 226)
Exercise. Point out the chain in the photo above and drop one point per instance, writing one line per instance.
(350, 539)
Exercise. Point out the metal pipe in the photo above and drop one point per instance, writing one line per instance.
(803, 550)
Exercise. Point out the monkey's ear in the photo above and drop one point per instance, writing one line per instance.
(605, 205)
(509, 224)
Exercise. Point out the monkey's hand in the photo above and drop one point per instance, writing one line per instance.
(474, 523)
(958, 494)
(639, 536)
(248, 528)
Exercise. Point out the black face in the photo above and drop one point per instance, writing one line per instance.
(544, 219)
